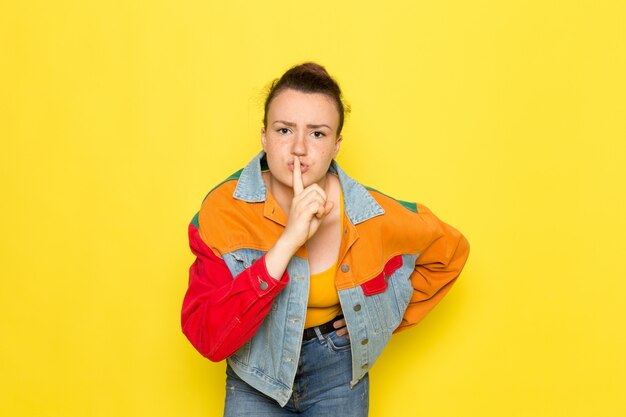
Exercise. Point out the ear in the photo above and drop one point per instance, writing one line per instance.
(263, 140)
(337, 145)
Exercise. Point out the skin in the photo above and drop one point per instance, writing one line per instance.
(300, 141)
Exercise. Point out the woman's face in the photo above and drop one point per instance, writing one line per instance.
(303, 125)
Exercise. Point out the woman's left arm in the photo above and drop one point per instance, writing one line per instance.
(436, 269)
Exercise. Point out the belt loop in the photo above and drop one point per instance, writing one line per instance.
(320, 337)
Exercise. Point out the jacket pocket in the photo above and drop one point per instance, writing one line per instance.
(379, 284)
(380, 301)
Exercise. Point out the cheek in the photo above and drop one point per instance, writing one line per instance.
(271, 149)
(326, 153)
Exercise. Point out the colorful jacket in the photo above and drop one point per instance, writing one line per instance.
(396, 261)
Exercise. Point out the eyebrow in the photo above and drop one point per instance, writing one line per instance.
(291, 124)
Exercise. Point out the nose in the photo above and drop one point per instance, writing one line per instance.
(298, 146)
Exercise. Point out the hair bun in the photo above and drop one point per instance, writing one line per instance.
(313, 68)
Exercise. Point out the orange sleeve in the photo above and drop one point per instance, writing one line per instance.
(436, 268)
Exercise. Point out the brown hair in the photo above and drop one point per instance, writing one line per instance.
(308, 78)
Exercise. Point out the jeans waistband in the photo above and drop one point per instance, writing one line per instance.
(324, 328)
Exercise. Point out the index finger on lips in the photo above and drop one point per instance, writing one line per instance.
(298, 185)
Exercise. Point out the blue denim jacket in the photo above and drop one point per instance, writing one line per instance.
(268, 361)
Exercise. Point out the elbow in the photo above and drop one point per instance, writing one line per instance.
(461, 255)
(216, 357)
(464, 247)
(204, 344)
(209, 337)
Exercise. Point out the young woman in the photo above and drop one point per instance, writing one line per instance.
(302, 274)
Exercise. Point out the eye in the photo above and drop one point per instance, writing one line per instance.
(282, 130)
(318, 134)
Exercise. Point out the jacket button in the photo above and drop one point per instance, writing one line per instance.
(345, 268)
(357, 307)
(364, 341)
(263, 285)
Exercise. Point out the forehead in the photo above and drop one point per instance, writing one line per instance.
(296, 106)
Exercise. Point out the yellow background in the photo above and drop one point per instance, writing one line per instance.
(506, 118)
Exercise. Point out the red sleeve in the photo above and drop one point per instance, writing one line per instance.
(220, 313)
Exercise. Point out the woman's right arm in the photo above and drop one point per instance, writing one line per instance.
(221, 313)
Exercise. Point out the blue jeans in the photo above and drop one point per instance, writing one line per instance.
(321, 387)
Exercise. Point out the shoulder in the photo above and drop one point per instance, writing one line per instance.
(219, 194)
(396, 205)
(401, 208)
(226, 223)
(414, 212)
(222, 190)
(409, 222)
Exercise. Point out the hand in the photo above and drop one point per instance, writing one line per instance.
(341, 326)
(308, 208)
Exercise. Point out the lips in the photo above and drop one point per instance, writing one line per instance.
(303, 167)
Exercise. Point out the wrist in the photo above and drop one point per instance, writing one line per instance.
(287, 245)
(277, 258)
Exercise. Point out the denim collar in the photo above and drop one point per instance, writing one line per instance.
(359, 205)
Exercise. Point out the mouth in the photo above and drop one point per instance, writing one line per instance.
(303, 167)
